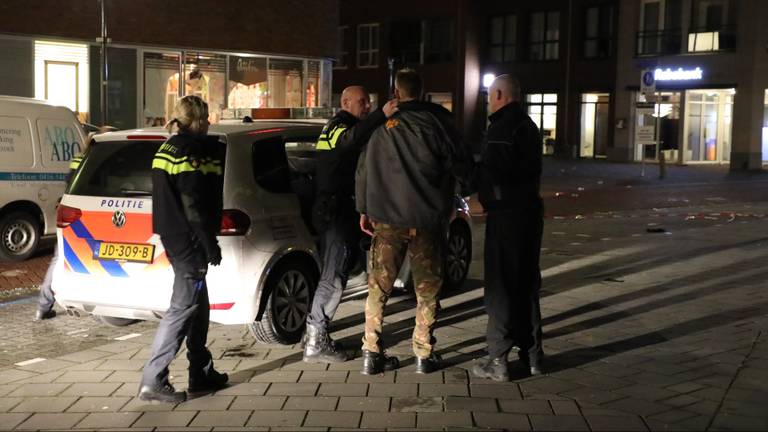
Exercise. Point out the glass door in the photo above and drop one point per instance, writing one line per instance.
(594, 124)
(709, 125)
(161, 86)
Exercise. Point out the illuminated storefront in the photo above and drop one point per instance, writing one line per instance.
(145, 83)
(690, 122)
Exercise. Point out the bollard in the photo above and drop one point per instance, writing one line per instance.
(662, 165)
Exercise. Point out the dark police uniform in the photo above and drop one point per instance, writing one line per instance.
(334, 215)
(186, 213)
(508, 181)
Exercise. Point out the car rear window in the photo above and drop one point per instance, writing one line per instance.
(116, 168)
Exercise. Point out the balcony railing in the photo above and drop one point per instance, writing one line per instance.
(662, 42)
(710, 40)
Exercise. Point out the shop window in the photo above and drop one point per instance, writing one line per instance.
(368, 45)
(502, 42)
(544, 36)
(205, 76)
(61, 75)
(161, 86)
(121, 87)
(285, 78)
(542, 107)
(443, 99)
(598, 31)
(405, 42)
(313, 83)
(660, 22)
(343, 49)
(247, 87)
(438, 41)
(765, 127)
(711, 26)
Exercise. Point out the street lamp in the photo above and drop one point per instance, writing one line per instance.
(488, 80)
(104, 75)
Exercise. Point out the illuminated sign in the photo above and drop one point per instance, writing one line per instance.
(678, 75)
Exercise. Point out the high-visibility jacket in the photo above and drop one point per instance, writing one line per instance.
(187, 173)
(338, 149)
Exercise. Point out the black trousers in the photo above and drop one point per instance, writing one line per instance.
(513, 282)
(339, 249)
(187, 316)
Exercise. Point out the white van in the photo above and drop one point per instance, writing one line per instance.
(37, 142)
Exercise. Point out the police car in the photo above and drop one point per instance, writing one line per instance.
(113, 267)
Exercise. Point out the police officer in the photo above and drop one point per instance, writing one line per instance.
(405, 185)
(46, 299)
(186, 213)
(334, 215)
(508, 181)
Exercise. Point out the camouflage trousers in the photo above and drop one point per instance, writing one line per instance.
(388, 250)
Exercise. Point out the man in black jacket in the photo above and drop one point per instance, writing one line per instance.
(404, 193)
(186, 213)
(508, 179)
(334, 215)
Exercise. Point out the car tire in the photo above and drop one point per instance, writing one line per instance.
(115, 321)
(291, 288)
(19, 235)
(458, 255)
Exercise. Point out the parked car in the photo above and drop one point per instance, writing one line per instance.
(115, 268)
(37, 142)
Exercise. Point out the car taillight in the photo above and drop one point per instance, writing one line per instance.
(65, 215)
(234, 222)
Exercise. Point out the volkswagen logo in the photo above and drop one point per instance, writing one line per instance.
(118, 218)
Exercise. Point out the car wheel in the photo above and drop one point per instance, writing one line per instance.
(291, 287)
(115, 321)
(19, 235)
(458, 255)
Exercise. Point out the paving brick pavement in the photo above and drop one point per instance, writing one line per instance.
(642, 332)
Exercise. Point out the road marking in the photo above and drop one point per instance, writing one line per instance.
(128, 336)
(76, 332)
(29, 362)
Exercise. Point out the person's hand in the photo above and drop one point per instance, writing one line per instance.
(365, 225)
(214, 256)
(390, 108)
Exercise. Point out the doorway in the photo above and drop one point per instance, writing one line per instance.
(594, 126)
(708, 125)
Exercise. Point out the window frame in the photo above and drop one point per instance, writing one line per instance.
(342, 53)
(504, 45)
(371, 51)
(604, 10)
(544, 41)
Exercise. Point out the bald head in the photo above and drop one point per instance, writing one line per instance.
(504, 90)
(355, 100)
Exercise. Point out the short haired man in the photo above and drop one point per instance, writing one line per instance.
(405, 184)
(508, 180)
(334, 216)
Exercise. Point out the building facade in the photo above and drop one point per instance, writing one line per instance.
(256, 55)
(580, 64)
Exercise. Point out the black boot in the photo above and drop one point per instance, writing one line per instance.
(319, 348)
(375, 363)
(533, 368)
(165, 394)
(429, 364)
(202, 382)
(495, 369)
(44, 314)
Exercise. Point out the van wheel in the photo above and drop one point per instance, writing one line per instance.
(115, 321)
(291, 287)
(458, 255)
(19, 235)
